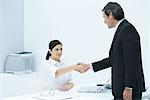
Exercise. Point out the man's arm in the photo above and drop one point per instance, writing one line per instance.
(99, 65)
(96, 66)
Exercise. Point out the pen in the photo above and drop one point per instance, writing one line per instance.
(38, 98)
(66, 98)
(99, 84)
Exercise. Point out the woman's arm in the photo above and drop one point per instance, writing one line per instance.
(64, 70)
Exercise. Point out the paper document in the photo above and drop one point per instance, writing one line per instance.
(55, 95)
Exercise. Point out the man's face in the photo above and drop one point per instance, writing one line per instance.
(109, 20)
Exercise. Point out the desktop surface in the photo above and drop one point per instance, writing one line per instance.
(57, 95)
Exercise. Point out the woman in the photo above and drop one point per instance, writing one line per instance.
(57, 75)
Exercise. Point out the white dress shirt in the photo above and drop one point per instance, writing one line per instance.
(118, 24)
(47, 73)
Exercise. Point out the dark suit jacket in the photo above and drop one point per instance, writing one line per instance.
(125, 60)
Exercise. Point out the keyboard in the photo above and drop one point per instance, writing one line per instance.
(94, 89)
(90, 89)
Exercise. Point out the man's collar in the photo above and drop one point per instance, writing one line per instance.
(119, 23)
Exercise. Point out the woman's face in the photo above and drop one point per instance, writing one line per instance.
(56, 52)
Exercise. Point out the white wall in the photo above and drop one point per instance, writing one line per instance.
(11, 28)
(148, 42)
(79, 25)
(0, 34)
(74, 23)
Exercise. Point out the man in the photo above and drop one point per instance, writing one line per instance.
(124, 56)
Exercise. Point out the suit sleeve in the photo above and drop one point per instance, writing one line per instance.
(99, 65)
(130, 44)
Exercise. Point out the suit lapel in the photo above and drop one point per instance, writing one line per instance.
(117, 33)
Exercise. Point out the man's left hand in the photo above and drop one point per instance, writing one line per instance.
(127, 94)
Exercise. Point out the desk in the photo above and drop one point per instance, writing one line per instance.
(73, 95)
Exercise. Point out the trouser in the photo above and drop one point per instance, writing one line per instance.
(137, 96)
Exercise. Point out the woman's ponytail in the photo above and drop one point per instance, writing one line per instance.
(48, 55)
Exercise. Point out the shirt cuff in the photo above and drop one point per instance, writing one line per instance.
(128, 88)
(91, 66)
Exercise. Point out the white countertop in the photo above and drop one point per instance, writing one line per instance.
(63, 96)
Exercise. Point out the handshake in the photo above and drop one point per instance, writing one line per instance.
(82, 67)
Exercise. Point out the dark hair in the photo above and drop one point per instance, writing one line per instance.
(52, 44)
(115, 9)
